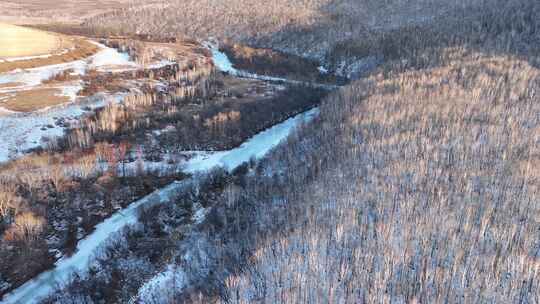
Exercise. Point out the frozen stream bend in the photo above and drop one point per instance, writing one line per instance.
(223, 63)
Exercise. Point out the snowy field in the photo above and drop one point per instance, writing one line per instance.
(22, 131)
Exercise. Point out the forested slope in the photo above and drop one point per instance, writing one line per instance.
(418, 183)
(348, 36)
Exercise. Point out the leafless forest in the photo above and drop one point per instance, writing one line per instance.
(333, 31)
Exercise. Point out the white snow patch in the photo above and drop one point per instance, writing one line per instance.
(256, 147)
(160, 64)
(110, 60)
(221, 61)
(71, 91)
(323, 70)
(160, 289)
(23, 131)
(35, 76)
(20, 132)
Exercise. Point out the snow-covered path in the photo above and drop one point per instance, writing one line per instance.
(257, 146)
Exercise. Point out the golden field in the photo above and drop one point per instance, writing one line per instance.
(20, 41)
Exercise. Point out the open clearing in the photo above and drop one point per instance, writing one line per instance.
(32, 100)
(24, 48)
(20, 41)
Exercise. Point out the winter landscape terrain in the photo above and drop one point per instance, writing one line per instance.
(291, 151)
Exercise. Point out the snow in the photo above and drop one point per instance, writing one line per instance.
(20, 132)
(40, 287)
(71, 91)
(257, 146)
(160, 64)
(105, 59)
(221, 61)
(173, 278)
(323, 70)
(35, 76)
(110, 60)
(224, 64)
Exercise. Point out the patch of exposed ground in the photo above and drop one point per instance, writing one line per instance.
(81, 49)
(33, 100)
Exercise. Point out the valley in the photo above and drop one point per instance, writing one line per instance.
(325, 151)
(131, 118)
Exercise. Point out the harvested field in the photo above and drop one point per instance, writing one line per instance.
(20, 41)
(72, 11)
(32, 100)
(9, 85)
(24, 48)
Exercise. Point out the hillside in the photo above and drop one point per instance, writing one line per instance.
(417, 183)
(347, 36)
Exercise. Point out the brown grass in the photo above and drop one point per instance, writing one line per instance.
(32, 100)
(20, 41)
(10, 84)
(83, 49)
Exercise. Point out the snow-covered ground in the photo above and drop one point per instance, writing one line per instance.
(257, 146)
(29, 78)
(20, 132)
(110, 60)
(230, 159)
(106, 59)
(173, 278)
